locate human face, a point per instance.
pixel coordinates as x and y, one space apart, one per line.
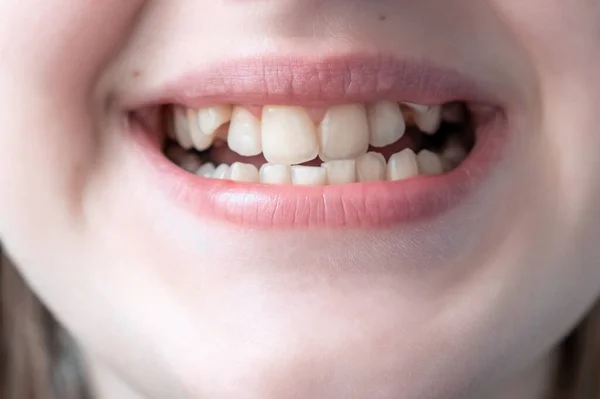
445 285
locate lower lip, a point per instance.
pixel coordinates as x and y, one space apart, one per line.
376 204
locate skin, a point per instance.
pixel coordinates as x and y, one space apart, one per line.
165 304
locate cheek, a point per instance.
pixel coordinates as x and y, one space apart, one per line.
63 44
53 53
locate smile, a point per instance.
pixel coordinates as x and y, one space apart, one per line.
343 142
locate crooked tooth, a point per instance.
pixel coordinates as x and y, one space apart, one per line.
428 118
370 167
340 172
402 165
200 140
343 133
221 172
206 170
244 135
429 163
211 118
275 174
288 135
182 129
244 172
309 175
386 123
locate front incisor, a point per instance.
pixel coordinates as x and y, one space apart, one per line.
288 135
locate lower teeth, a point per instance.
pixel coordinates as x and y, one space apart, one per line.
438 153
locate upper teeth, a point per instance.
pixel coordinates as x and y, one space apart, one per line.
287 135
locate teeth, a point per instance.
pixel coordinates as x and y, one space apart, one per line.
206 170
211 118
182 130
370 167
222 172
244 172
427 118
244 133
386 123
453 154
288 135
309 175
275 174
200 140
403 165
453 113
340 172
429 163
344 133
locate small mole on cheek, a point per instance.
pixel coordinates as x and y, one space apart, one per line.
382 17
137 73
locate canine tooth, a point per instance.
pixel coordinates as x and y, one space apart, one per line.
340 172
244 172
386 123
429 163
427 117
402 165
206 170
182 129
211 118
288 135
221 172
244 133
344 133
200 140
309 175
275 174
370 167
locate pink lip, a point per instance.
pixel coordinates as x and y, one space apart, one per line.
334 80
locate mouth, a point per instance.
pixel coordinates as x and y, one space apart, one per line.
290 143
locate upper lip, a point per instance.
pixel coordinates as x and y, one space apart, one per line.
288 80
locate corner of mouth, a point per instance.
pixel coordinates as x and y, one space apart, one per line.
451 133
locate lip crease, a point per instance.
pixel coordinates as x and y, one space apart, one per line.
323 82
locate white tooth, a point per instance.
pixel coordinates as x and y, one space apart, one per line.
288 135
344 133
371 167
340 172
201 141
244 133
429 163
453 113
182 129
190 163
206 170
244 172
427 117
402 165
275 174
221 172
453 154
386 123
211 118
309 175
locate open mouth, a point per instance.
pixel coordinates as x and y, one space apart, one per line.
342 144
372 162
